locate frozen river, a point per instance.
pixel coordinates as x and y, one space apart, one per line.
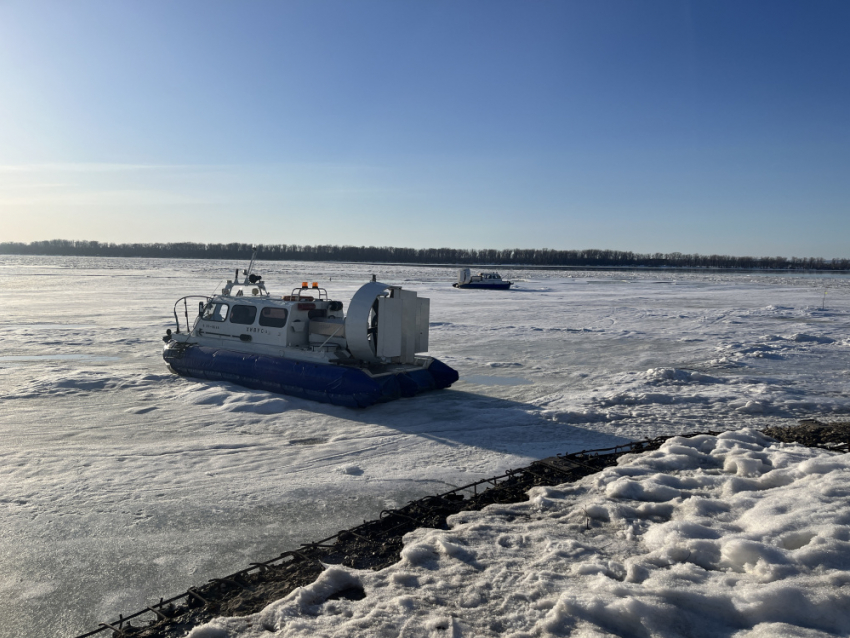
122 483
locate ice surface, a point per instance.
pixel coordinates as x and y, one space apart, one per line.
632 551
122 483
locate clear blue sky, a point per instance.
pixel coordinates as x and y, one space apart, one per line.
708 126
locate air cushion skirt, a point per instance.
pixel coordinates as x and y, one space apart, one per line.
328 383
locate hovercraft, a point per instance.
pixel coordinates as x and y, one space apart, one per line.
304 345
481 281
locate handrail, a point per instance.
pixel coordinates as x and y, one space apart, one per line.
323 294
186 310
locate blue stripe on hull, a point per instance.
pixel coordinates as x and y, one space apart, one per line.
319 382
504 286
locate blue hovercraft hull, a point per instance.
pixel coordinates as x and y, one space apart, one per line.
503 286
327 383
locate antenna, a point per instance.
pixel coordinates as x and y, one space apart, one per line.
251 265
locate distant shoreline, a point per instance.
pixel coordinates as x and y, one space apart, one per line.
531 258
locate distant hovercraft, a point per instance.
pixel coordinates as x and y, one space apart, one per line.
482 281
304 345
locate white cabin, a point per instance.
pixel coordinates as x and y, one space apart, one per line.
384 324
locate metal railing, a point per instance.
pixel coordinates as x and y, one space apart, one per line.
186 310
560 468
563 465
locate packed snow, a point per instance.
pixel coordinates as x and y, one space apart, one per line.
733 535
122 483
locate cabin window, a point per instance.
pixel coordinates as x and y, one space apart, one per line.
215 312
273 317
319 313
243 314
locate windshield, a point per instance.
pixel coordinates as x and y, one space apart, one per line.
215 312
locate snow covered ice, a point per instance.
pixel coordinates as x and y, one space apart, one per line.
122 483
732 535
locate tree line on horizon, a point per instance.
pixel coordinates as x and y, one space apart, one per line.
442 256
